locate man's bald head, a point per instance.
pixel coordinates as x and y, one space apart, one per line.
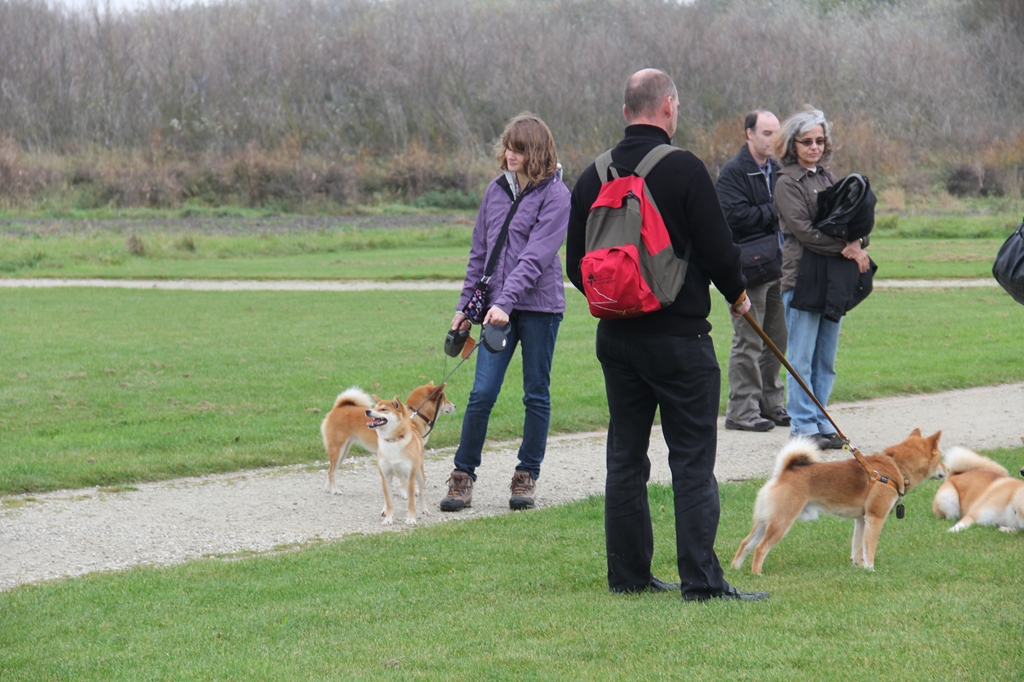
645 92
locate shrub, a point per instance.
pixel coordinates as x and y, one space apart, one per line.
964 180
135 245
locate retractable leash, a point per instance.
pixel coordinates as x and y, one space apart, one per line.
900 486
466 352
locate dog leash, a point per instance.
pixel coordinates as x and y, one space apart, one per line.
466 352
900 486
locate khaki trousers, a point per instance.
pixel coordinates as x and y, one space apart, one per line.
755 382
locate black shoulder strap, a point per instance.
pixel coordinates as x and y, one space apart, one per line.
492 262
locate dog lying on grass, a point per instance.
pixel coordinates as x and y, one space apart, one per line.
979 492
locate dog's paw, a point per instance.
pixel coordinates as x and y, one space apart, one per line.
426 512
410 520
388 520
1009 529
958 527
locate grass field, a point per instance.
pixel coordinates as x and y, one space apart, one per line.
523 596
913 249
111 387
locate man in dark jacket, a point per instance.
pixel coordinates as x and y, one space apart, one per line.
745 187
664 360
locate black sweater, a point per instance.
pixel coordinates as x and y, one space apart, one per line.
686 198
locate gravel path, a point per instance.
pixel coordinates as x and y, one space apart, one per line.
69 533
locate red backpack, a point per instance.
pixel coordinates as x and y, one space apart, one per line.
630 268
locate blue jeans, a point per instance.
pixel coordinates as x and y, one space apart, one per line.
813 344
537 333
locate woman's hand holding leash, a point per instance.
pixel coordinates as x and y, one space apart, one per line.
496 317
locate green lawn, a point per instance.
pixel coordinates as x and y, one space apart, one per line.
116 386
524 597
108 387
402 253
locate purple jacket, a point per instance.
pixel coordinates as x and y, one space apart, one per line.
528 275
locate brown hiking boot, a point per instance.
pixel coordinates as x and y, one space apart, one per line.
460 492
524 488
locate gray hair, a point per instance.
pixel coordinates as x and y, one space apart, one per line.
795 126
645 91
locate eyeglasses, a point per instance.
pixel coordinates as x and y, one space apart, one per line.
807 142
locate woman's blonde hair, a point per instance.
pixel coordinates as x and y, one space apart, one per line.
528 135
795 126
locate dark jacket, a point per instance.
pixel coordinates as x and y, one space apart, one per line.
830 285
746 196
686 198
822 280
847 209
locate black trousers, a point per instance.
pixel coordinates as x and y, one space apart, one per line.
681 377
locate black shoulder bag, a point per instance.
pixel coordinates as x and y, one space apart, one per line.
761 259
1008 268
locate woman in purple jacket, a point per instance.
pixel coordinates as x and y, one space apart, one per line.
526 296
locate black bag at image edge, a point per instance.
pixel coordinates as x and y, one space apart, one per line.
1008 268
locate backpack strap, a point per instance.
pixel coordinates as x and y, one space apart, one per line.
601 164
652 159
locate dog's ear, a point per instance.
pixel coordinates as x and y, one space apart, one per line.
442 385
375 398
397 404
916 432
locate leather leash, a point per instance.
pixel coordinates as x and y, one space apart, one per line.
900 486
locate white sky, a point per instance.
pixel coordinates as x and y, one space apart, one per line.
120 5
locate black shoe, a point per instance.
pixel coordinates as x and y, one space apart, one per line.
729 592
659 586
830 441
654 586
779 416
756 424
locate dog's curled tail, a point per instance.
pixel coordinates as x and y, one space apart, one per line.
799 451
354 396
960 459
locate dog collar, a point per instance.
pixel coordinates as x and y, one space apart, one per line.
392 440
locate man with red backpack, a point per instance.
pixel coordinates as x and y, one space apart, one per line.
664 359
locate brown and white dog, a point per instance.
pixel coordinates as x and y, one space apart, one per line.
803 486
399 454
979 491
345 424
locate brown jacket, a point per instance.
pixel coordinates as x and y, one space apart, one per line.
796 198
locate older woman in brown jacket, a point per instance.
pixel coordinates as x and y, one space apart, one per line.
803 144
